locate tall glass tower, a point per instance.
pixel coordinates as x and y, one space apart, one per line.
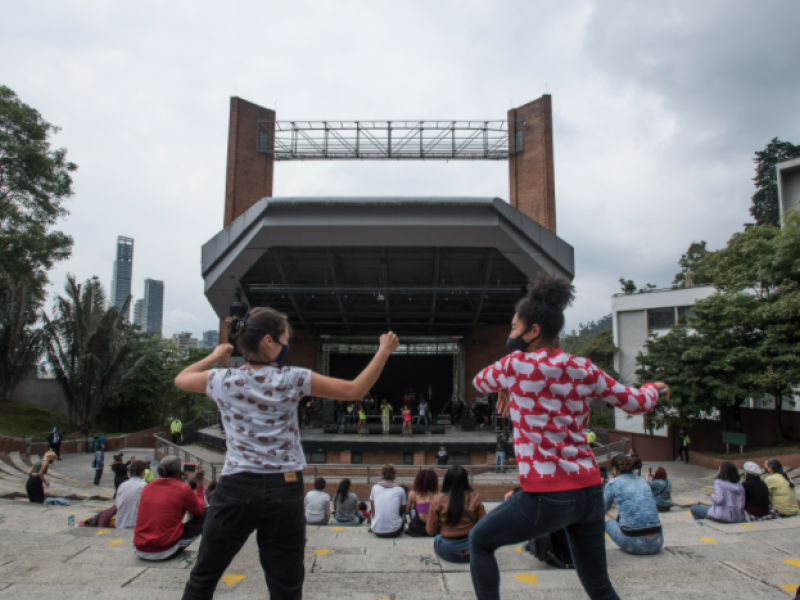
123 271
153 305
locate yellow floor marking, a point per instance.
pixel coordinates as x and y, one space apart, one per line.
321 552
790 587
18 485
746 526
792 561
233 579
68 514
113 543
103 531
608 537
338 528
708 540
518 548
688 512
531 579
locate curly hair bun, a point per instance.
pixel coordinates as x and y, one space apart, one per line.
555 292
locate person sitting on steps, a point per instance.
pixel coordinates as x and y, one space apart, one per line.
727 499
387 500
661 488
345 504
318 504
637 529
129 495
453 514
781 489
756 495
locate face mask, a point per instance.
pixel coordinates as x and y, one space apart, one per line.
516 344
281 358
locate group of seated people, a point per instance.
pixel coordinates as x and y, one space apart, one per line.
447 516
637 528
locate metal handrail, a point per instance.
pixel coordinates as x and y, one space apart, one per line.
168 447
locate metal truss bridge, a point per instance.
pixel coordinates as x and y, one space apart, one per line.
389 140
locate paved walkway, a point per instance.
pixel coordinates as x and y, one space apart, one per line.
41 557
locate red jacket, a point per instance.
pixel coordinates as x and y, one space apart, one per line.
159 522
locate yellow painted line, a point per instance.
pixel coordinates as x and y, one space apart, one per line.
608 537
518 548
529 579
747 526
708 540
790 587
338 528
103 531
68 514
321 552
792 562
113 543
233 579
688 512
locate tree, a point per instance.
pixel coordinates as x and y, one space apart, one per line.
88 346
20 341
694 266
627 285
34 182
765 208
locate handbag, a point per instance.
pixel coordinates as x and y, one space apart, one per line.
94 463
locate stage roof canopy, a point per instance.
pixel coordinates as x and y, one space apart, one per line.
360 266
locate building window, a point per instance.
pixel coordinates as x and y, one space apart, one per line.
408 458
661 318
684 311
355 458
460 459
316 457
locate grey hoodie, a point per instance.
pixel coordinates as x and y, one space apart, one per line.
728 499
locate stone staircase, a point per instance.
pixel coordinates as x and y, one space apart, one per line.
13 477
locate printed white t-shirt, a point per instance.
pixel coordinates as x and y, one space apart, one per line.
387 508
259 409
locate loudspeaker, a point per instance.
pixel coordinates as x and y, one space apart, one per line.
328 411
331 429
468 424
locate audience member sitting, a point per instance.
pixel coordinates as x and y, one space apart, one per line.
129 494
36 480
345 506
727 499
362 510
637 529
661 488
756 495
318 504
160 531
120 470
426 486
453 514
781 489
387 505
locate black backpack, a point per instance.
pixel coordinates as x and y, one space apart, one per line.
552 548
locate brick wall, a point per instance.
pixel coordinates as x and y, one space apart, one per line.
531 173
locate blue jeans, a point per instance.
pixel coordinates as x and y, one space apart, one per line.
354 523
525 516
634 545
500 459
420 419
701 512
449 548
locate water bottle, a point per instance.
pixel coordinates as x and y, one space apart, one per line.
71 520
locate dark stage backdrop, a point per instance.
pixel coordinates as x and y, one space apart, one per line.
402 372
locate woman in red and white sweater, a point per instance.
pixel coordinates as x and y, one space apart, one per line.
547 393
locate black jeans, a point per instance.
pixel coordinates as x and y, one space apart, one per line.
98 474
57 449
525 516
271 506
685 452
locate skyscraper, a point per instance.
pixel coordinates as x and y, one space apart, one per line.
153 305
123 271
210 339
137 313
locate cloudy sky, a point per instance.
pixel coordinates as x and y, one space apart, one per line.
658 109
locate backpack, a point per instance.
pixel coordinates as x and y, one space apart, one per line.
553 548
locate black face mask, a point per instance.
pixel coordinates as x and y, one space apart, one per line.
517 344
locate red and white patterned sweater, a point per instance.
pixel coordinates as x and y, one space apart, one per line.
549 396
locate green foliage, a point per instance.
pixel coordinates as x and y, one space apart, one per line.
627 285
765 207
21 419
694 266
588 342
34 182
746 339
601 418
88 346
20 342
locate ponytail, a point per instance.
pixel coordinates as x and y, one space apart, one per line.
777 468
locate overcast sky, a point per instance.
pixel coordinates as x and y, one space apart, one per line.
658 109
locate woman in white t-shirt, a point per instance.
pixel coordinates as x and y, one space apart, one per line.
262 482
318 504
388 502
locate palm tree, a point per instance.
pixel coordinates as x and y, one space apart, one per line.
87 345
20 343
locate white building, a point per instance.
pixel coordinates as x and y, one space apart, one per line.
635 317
184 340
788 185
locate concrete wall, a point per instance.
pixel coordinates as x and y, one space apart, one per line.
42 392
789 185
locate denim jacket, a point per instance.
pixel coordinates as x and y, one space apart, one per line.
634 500
661 489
